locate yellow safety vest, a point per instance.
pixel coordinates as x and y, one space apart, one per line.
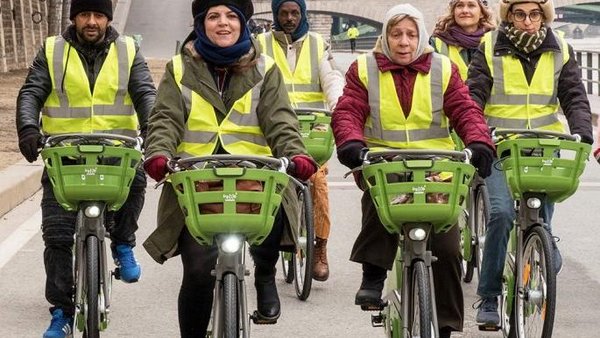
427 125
303 85
72 108
453 52
513 102
353 33
238 133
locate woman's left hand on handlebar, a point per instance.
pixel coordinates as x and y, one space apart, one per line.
305 167
156 167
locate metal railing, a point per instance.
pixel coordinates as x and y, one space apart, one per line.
589 65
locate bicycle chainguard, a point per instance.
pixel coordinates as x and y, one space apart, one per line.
259 319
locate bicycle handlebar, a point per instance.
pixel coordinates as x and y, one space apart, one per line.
500 135
308 111
410 154
97 138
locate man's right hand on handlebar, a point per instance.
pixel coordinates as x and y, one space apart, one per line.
349 154
156 167
30 139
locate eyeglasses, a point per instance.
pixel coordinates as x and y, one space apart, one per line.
534 16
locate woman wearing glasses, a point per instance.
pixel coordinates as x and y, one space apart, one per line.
511 78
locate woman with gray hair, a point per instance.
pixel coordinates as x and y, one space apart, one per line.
427 93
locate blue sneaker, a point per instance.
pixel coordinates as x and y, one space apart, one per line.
129 268
487 314
61 326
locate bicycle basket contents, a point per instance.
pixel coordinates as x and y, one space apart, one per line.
240 185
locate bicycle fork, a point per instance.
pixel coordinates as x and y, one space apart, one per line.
90 222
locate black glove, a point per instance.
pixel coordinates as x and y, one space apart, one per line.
483 157
349 154
587 139
30 139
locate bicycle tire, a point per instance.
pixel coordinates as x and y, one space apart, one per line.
92 287
482 217
467 235
420 292
231 318
303 258
287 266
539 301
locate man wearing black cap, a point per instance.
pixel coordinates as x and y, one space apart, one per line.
87 80
312 82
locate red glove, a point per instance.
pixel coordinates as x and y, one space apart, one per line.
156 167
597 154
305 167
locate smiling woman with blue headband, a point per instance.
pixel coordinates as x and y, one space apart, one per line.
215 75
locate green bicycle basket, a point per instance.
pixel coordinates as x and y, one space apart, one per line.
532 165
317 136
388 181
91 172
204 226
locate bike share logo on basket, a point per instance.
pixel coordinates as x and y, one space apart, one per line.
90 172
419 189
230 197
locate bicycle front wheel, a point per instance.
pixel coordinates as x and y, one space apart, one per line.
231 319
482 216
535 308
421 310
303 259
92 287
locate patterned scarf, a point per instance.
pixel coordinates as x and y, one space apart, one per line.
456 36
525 42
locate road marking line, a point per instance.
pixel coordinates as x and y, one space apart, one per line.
13 243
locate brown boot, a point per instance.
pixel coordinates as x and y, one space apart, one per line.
320 265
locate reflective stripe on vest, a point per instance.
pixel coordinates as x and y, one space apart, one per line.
426 125
514 103
72 108
304 84
453 52
238 133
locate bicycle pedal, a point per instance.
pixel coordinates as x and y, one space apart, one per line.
372 307
486 327
377 320
117 273
258 319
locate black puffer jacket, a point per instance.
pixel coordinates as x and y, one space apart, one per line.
571 92
38 85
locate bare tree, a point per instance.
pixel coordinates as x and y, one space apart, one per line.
66 6
54 16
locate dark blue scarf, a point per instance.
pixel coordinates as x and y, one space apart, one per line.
221 56
302 28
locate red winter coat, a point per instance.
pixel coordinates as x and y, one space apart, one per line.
352 109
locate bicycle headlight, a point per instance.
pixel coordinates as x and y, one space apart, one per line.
417 234
92 211
231 244
534 203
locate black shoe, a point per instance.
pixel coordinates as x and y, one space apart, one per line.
369 294
267 299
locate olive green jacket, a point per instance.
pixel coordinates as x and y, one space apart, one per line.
166 126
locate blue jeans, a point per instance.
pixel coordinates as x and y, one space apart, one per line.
502 216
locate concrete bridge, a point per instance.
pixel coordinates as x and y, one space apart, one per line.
372 12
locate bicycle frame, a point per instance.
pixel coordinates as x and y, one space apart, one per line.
90 174
407 175
242 228
530 157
